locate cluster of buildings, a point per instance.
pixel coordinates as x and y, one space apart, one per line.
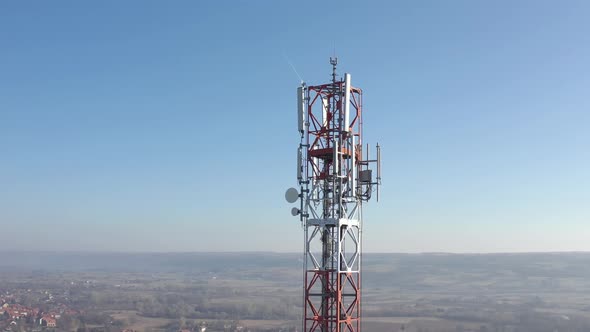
17 311
12 314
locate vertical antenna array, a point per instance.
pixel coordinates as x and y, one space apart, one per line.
335 179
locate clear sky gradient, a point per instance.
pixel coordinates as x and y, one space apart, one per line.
170 125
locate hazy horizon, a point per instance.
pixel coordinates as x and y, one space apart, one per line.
466 253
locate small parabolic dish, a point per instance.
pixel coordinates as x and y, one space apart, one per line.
291 195
294 211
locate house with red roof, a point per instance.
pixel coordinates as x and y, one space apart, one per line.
48 321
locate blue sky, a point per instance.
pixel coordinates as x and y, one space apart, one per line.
170 126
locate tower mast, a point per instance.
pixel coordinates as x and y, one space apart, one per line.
335 180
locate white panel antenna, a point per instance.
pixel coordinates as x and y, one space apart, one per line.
301 107
325 108
346 102
299 164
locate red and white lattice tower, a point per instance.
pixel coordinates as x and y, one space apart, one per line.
335 178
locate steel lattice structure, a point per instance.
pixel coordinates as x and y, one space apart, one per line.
334 181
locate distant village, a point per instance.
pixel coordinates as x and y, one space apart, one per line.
18 317
38 310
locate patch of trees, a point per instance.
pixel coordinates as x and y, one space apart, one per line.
176 306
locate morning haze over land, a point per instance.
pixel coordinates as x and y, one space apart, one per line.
145 148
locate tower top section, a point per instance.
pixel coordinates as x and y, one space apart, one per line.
335 176
334 63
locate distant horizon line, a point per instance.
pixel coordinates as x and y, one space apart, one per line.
286 252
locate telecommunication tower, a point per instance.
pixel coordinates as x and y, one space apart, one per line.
335 178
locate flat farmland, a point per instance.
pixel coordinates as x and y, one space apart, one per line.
262 291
